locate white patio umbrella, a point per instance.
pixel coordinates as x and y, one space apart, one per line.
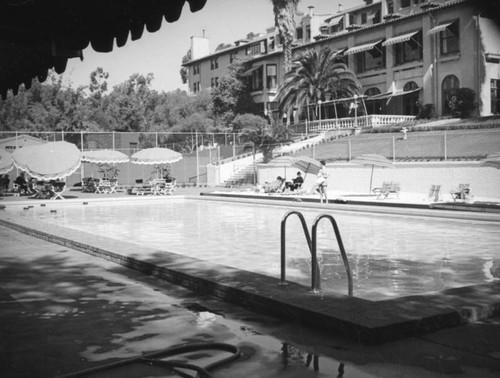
6 164
373 160
104 157
155 156
49 161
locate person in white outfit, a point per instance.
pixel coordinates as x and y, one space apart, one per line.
322 182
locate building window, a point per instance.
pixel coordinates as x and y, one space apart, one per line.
495 96
390 7
300 33
257 48
257 82
232 57
196 69
371 60
376 17
272 43
308 32
405 3
449 39
352 19
196 87
450 82
409 51
271 76
133 147
364 18
214 63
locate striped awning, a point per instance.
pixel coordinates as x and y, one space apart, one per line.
399 39
362 48
439 28
249 72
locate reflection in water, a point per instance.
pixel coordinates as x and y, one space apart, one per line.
390 255
290 353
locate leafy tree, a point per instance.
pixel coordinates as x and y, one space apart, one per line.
232 95
184 71
98 84
316 76
256 130
284 19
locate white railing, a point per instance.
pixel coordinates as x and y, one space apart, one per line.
372 120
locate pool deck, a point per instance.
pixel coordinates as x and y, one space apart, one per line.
362 320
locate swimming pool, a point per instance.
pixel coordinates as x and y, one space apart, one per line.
390 255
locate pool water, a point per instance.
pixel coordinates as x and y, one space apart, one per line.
390 255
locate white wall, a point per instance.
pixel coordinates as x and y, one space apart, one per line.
413 177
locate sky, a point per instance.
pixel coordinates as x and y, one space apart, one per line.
161 53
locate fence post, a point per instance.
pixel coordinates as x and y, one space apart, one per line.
113 139
350 150
393 149
445 147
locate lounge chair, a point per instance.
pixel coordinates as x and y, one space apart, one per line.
461 193
277 186
394 188
435 193
169 187
380 191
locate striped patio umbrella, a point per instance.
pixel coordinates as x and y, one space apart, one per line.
304 163
6 164
49 161
492 160
373 160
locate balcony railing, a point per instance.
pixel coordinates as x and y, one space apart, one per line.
368 121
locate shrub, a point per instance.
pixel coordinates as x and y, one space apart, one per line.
425 111
462 102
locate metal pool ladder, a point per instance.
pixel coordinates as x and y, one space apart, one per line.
312 244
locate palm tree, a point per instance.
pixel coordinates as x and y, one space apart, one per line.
316 76
284 13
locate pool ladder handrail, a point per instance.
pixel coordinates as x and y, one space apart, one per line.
312 244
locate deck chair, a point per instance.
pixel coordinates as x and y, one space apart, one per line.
393 189
380 191
88 185
461 193
169 188
435 193
58 188
103 187
113 185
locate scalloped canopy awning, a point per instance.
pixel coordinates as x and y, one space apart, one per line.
36 35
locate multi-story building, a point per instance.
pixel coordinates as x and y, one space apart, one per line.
404 52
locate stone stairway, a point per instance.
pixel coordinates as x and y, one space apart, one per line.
243 177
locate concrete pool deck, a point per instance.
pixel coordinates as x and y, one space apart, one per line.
366 321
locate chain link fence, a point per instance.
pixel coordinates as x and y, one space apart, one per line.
200 150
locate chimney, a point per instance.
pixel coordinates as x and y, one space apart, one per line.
311 10
341 8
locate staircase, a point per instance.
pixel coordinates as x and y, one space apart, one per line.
243 177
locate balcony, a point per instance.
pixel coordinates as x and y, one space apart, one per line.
364 122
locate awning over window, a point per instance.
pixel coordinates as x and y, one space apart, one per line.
439 28
389 95
399 39
334 21
249 72
361 48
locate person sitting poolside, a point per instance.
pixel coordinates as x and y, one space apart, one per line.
275 186
297 182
